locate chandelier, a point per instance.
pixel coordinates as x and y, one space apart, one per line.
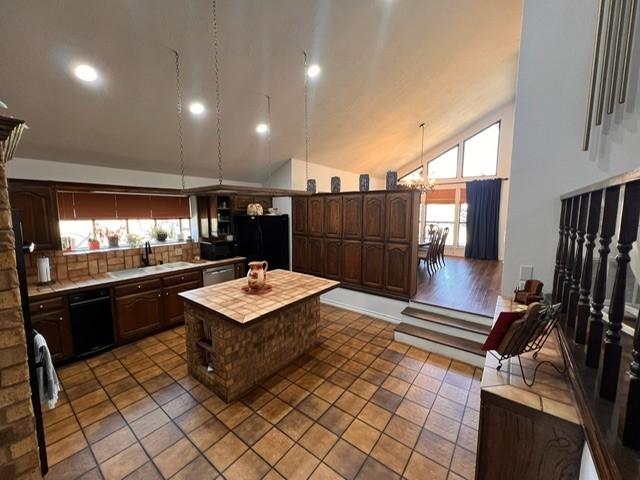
418 181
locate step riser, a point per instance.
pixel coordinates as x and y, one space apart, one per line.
449 330
444 350
470 317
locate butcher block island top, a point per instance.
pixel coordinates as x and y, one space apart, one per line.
237 339
287 288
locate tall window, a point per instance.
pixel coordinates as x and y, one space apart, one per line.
445 165
480 153
441 211
462 225
413 176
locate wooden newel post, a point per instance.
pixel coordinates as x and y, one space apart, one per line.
559 252
577 262
594 342
612 348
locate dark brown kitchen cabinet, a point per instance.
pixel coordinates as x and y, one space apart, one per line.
373 265
138 314
299 220
352 216
300 256
373 217
55 327
173 305
332 258
36 202
399 216
351 261
265 202
333 216
241 202
396 268
315 254
315 216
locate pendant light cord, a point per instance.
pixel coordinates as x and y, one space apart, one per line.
216 67
306 117
179 110
268 136
422 146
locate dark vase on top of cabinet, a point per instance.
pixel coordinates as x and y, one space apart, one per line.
373 265
299 220
333 216
333 257
37 204
352 261
373 213
299 254
315 215
352 216
399 218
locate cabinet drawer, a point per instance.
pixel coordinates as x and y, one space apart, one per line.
46 305
182 278
137 287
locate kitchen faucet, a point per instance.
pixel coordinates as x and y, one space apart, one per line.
147 251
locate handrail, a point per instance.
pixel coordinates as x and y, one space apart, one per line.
608 182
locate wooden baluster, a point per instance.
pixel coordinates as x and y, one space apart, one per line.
559 250
631 431
565 250
575 205
596 326
582 315
612 348
577 262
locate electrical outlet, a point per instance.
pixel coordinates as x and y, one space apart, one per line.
178 251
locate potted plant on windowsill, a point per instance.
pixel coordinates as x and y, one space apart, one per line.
94 243
159 233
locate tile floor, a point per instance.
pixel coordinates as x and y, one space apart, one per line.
358 406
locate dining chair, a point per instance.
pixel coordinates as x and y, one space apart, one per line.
443 242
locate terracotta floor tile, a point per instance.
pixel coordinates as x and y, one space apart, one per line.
225 451
329 391
294 424
342 379
353 367
208 433
147 471
79 390
276 384
73 466
402 430
391 453
297 464
350 403
149 422
374 415
100 429
168 393
115 388
345 459
464 463
273 475
420 468
51 417
156 383
117 374
125 462
138 409
396 385
234 414
293 394
323 472
200 468
363 388
318 440
192 419
161 439
420 396
386 399
214 404
179 405
273 446
248 467
95 413
129 397
313 406
448 408
361 435
257 398
428 383
66 447
372 469
252 429
413 412
335 420
454 393
471 418
174 458
274 410
468 438
435 447
310 381
443 426
113 444
61 429
89 400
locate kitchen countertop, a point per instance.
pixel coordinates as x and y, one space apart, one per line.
229 300
124 276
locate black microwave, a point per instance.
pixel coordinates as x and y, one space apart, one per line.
216 250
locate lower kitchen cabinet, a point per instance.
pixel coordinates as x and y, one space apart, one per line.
138 314
55 327
373 265
351 261
300 257
315 254
173 305
333 255
397 268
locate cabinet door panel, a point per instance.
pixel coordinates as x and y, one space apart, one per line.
373 217
351 261
315 255
396 272
333 254
333 216
299 254
241 202
315 215
138 314
352 216
399 206
265 202
173 305
55 328
38 213
373 265
299 216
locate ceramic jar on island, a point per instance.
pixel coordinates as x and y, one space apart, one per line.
257 275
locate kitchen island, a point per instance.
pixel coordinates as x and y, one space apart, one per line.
237 339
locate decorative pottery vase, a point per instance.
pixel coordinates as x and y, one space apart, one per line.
311 185
392 180
257 275
254 209
335 184
364 182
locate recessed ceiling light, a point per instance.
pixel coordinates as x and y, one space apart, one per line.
262 128
86 73
196 108
313 70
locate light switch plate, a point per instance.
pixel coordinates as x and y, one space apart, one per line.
178 251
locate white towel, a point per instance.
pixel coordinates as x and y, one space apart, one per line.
45 373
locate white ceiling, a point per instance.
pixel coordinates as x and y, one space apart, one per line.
386 66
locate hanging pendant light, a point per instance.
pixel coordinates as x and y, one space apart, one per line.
423 183
311 183
179 112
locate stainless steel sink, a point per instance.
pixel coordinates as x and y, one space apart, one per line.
136 272
132 272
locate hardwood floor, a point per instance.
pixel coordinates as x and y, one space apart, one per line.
462 284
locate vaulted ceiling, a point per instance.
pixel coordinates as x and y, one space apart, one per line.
386 66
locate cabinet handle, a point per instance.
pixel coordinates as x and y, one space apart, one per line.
166 293
159 295
139 286
41 306
60 319
181 278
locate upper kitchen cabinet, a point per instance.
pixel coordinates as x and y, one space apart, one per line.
352 216
265 202
240 203
333 216
315 215
399 216
373 217
299 220
36 202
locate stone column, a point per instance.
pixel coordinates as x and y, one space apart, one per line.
18 444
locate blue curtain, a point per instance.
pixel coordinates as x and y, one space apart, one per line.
483 219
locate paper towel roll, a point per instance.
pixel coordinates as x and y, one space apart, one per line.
44 272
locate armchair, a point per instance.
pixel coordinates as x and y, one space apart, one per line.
532 292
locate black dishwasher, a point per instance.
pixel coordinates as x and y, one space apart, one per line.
91 323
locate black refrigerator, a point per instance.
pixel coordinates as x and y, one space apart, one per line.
21 247
263 237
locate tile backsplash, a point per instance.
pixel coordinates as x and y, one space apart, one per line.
72 266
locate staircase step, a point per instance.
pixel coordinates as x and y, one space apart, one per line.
447 321
441 338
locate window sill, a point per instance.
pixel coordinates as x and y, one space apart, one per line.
85 251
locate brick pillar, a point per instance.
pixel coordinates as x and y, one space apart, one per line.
18 444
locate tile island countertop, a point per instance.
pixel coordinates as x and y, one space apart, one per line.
127 275
228 298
